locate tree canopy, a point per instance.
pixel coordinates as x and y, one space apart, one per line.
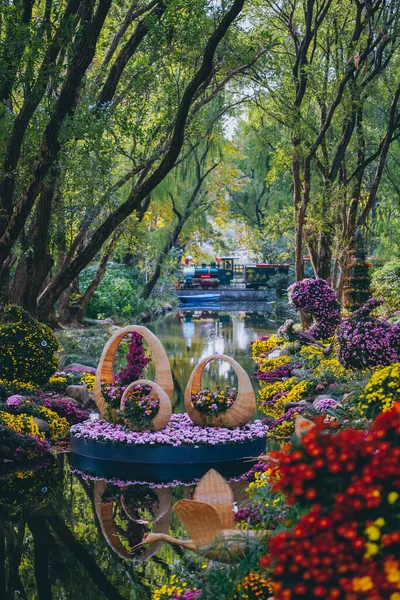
129 128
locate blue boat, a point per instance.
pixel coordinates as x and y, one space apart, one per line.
209 298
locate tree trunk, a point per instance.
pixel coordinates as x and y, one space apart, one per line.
40 261
5 278
299 217
335 273
41 549
3 558
324 256
94 284
18 281
148 288
67 311
342 277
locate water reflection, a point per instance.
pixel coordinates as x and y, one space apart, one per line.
190 335
66 537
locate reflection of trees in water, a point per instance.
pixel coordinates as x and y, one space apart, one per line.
60 550
55 551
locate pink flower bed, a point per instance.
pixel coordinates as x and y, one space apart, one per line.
180 431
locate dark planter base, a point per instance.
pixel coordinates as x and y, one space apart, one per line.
162 463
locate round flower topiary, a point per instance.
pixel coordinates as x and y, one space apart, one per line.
381 391
316 298
27 347
366 341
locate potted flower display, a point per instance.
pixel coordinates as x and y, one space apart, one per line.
210 402
140 407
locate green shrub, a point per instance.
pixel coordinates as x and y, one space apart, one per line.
27 348
386 283
117 293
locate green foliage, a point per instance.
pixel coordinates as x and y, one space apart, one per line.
27 348
218 580
17 446
386 283
28 489
117 294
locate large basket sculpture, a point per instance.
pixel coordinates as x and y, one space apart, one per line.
105 367
240 413
165 407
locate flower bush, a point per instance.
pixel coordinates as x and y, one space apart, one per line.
282 428
366 341
59 426
346 546
381 391
16 446
271 364
330 370
325 404
140 408
212 402
112 394
280 372
136 361
180 431
254 586
21 423
67 410
25 489
8 388
269 391
175 590
57 383
88 379
316 298
264 345
27 348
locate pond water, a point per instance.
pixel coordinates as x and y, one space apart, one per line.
66 536
188 336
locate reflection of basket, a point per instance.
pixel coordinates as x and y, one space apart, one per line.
105 367
239 413
165 408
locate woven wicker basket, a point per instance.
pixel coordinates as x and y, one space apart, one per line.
165 408
105 367
239 413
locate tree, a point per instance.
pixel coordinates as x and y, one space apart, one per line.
318 82
77 94
193 201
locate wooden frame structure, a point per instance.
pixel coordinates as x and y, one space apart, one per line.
240 413
165 407
105 367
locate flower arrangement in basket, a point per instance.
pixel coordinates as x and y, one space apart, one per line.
143 407
140 406
112 393
230 407
212 402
